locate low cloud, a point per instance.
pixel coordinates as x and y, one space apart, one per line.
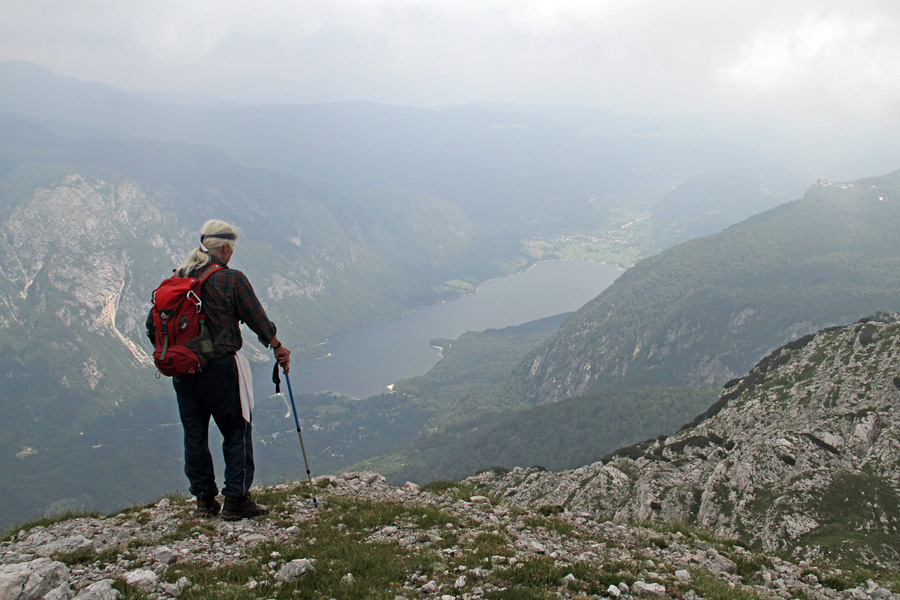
647 56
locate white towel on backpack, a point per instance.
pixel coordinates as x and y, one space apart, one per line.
245 384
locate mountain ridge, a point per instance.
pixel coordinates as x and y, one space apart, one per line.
800 454
544 170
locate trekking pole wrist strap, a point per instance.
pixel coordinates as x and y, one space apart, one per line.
276 379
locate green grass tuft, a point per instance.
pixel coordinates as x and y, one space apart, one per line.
555 524
517 594
541 573
48 520
712 588
128 592
451 489
486 545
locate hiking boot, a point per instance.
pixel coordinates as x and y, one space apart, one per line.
242 507
207 506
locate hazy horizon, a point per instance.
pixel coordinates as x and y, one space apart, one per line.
792 78
648 57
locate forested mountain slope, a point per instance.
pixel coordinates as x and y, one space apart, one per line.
707 309
560 435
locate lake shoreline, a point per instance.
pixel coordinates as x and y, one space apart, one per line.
362 362
477 286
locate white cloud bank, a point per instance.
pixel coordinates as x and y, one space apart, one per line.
827 59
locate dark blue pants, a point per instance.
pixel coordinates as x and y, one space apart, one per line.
214 393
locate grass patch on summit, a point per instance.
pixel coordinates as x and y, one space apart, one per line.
47 521
338 544
711 588
539 574
864 515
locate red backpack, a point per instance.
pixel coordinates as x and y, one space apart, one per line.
182 344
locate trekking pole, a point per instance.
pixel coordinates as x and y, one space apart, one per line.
276 380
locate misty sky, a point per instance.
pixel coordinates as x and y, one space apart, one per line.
824 59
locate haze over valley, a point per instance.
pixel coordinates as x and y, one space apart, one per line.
563 253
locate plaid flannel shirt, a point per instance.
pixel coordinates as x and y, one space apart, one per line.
229 300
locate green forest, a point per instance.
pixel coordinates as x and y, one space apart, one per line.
562 435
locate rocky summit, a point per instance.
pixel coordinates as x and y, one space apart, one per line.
800 455
367 539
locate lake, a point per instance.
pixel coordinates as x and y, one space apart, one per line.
363 362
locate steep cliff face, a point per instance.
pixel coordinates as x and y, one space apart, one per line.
803 452
74 262
71 249
707 310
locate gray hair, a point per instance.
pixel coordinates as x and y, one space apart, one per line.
214 235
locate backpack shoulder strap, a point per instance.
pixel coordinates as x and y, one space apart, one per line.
208 271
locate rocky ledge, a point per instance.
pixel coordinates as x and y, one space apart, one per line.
366 539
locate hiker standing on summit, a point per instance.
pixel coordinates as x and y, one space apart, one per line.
222 389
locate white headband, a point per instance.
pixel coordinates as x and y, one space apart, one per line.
224 236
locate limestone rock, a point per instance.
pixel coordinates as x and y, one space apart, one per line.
143 579
648 590
295 569
101 590
32 580
73 543
165 555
